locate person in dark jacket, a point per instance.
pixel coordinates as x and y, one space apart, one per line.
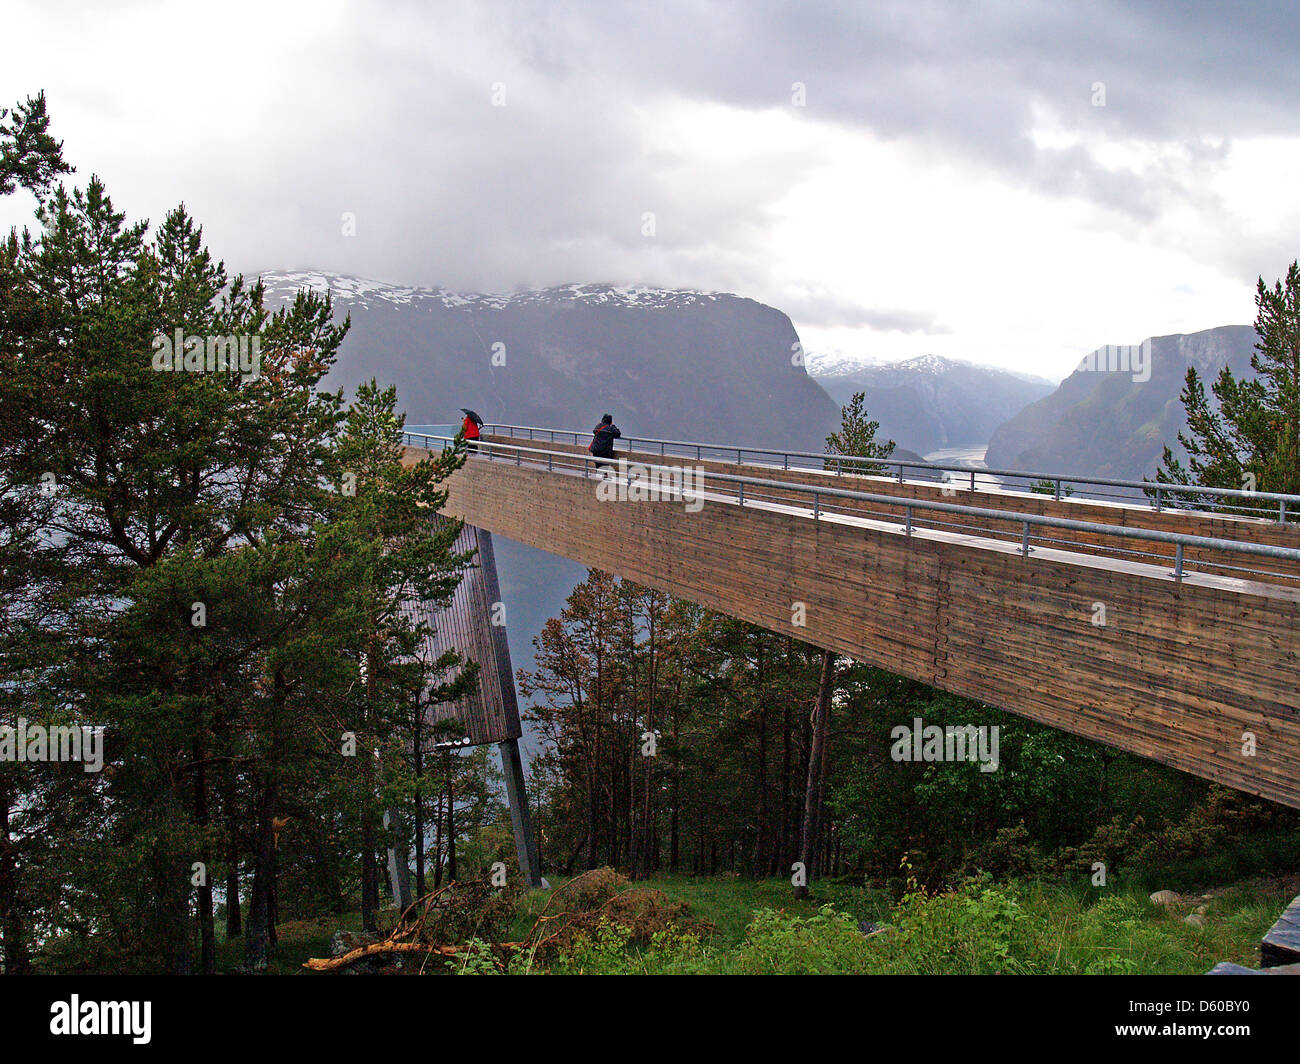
602 441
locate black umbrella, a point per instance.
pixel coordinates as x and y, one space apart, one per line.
472 416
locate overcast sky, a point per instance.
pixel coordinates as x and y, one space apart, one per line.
1013 183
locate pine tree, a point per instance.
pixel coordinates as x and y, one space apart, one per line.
857 437
401 553
1252 440
29 157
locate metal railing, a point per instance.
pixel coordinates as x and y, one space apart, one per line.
1150 495
818 495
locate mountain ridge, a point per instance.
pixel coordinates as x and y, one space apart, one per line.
1104 422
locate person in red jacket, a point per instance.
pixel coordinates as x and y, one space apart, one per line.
470 427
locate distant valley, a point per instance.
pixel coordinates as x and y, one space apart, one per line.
932 403
1107 423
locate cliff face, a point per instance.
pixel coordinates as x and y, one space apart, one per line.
1108 421
673 364
667 364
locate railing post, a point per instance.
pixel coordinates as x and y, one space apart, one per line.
1178 563
900 473
1024 540
1281 511
697 452
742 493
740 458
1058 489
907 519
1157 499
817 506
785 464
972 480
550 461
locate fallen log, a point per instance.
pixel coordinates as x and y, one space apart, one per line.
329 964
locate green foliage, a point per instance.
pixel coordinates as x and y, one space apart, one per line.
975 928
476 959
1250 437
29 156
209 563
857 437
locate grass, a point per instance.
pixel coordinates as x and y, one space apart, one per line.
1016 927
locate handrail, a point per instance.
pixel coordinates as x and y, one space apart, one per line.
1284 501
1180 540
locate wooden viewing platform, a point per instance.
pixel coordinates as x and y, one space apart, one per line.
1185 653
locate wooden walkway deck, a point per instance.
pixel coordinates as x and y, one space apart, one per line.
1088 632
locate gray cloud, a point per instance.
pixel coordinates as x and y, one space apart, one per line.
387 114
827 310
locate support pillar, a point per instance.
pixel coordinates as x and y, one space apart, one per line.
511 762
525 840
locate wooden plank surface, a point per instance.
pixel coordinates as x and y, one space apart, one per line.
488 713
1282 943
1221 526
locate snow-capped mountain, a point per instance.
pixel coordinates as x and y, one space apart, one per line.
836 363
282 285
666 363
932 402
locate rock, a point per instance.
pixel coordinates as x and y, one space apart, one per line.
1201 910
870 929
346 941
546 883
1165 897
1195 919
